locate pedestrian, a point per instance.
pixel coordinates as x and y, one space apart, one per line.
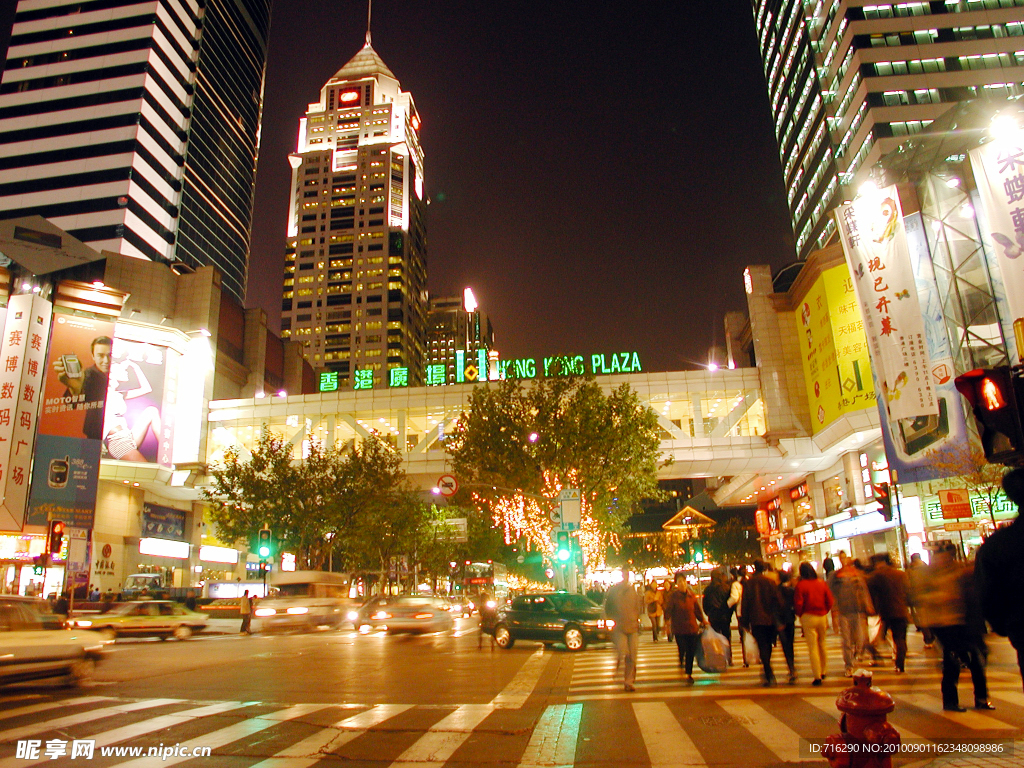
623 606
62 604
813 602
915 583
107 601
653 603
944 601
999 569
853 603
760 614
190 600
888 587
683 610
736 601
667 588
94 593
830 582
245 609
716 606
787 622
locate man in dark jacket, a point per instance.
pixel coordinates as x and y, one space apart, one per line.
762 607
888 588
999 569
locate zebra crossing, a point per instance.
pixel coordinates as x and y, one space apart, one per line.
737 729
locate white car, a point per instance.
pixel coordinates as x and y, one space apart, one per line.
29 650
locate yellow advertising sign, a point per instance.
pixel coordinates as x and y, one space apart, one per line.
834 349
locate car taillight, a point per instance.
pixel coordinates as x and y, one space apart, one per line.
265 612
423 616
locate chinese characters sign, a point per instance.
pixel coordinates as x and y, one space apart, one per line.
875 243
999 172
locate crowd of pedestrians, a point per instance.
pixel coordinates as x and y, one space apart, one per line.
949 601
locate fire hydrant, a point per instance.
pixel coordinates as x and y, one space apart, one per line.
865 739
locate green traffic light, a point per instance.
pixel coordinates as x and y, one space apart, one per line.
563 554
264 551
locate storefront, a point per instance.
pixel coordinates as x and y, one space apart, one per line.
20 575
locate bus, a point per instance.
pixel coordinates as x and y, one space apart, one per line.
488 577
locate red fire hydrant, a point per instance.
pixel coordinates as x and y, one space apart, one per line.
865 739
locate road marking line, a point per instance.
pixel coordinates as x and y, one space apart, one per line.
33 708
778 737
971 719
827 704
319 745
1010 697
553 742
83 717
515 694
139 729
668 744
231 733
438 744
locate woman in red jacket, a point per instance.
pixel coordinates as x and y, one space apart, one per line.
813 602
687 620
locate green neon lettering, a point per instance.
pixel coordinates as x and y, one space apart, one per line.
636 363
596 363
531 368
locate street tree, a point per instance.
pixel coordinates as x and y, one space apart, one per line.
519 443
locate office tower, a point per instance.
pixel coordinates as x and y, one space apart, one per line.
458 331
848 82
134 125
355 259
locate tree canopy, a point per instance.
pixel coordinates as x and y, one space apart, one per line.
520 443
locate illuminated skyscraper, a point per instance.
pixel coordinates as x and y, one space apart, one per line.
355 261
134 125
849 81
458 331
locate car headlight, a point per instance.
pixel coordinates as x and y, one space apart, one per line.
298 609
352 615
608 623
491 604
82 623
265 612
471 606
381 615
423 616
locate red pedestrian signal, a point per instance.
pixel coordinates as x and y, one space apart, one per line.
994 395
55 538
882 497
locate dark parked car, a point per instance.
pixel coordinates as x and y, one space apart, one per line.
552 617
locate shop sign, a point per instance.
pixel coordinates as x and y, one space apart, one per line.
799 492
24 548
963 525
775 504
817 536
287 561
771 548
1001 506
761 522
955 504
855 526
164 522
213 554
164 548
791 542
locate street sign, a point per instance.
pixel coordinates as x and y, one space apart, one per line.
555 515
964 525
521 559
955 503
569 501
448 485
457 527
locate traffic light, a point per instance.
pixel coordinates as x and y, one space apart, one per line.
883 498
698 552
263 546
994 394
55 537
563 549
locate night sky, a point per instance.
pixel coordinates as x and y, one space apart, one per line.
598 173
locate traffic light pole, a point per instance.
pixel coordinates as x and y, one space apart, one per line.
900 538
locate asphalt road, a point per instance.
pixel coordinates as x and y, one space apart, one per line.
341 699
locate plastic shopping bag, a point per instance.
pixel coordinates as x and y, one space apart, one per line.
712 651
750 649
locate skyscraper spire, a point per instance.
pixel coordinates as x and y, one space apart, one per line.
369 13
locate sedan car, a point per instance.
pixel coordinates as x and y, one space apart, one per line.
406 613
145 618
31 650
552 617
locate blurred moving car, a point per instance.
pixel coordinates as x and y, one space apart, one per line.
552 617
461 606
405 613
305 601
145 618
30 649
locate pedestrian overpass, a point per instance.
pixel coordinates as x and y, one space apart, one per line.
714 424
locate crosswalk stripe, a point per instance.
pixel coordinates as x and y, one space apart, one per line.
31 709
668 744
229 734
1010 697
778 737
14 734
827 704
434 747
553 741
515 694
315 747
971 719
139 729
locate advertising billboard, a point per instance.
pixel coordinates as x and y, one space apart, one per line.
834 349
67 461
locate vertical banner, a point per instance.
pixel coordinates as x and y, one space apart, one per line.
875 243
66 471
22 359
999 173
